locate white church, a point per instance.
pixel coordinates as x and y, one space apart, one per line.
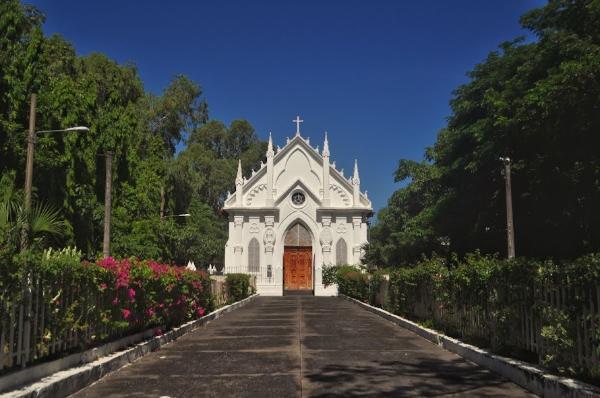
294 215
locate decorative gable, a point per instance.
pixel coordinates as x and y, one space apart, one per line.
297 163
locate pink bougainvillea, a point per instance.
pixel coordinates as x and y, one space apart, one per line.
144 293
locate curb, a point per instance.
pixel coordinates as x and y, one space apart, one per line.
69 381
528 376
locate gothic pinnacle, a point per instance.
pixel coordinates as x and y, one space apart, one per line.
356 178
326 146
270 146
239 180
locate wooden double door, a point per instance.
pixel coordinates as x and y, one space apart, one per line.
297 268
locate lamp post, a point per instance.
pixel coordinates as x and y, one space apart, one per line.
29 165
178 215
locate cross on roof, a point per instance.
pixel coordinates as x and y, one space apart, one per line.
297 121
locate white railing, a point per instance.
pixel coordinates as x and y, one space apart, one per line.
265 276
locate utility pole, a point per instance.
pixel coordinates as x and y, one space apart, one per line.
162 201
29 172
510 228
107 204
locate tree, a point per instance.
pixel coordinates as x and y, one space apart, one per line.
143 130
536 103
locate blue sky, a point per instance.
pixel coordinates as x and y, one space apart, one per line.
376 75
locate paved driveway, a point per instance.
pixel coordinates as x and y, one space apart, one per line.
301 347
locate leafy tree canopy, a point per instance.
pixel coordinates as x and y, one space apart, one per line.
537 103
143 131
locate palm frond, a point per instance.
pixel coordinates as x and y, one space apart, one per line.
44 219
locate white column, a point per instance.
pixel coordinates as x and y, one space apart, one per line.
269 241
357 241
270 155
325 186
238 248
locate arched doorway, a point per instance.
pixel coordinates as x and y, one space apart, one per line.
297 260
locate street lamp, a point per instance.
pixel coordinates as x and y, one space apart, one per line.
29 165
178 215
76 128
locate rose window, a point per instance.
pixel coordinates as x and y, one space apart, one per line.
298 198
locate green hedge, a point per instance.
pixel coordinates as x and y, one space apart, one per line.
351 280
238 286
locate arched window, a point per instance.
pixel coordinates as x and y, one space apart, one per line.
341 252
254 256
298 235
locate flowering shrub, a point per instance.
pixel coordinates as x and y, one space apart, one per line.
146 293
85 303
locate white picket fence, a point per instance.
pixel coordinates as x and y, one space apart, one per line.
265 276
580 308
31 321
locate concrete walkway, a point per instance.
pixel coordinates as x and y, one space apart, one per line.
301 347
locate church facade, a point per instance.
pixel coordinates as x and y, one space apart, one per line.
294 215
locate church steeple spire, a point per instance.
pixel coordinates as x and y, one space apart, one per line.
270 155
239 182
356 185
326 146
270 145
239 178
355 177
